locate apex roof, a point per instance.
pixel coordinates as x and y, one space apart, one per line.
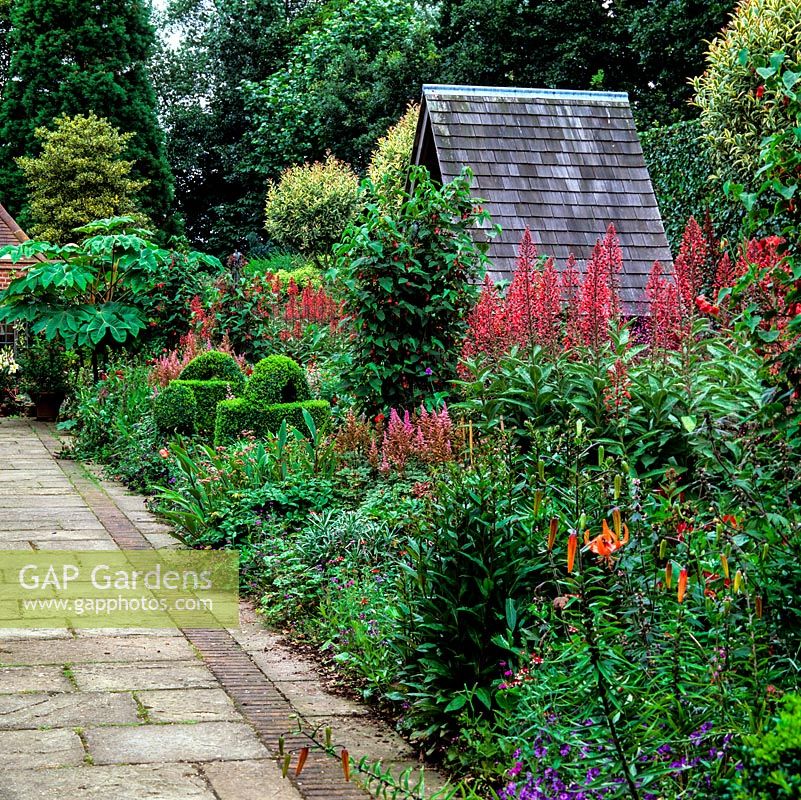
563 163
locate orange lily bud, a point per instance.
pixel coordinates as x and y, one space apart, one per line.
572 545
738 582
668 575
616 521
345 764
758 605
682 590
554 526
663 549
304 754
724 562
280 745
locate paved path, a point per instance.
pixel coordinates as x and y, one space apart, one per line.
135 714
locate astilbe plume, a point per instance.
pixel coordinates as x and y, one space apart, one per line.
689 266
598 301
487 334
399 442
522 298
434 435
664 323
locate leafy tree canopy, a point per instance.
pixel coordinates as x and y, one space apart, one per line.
76 57
78 177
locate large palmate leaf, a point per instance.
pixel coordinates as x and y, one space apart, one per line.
111 320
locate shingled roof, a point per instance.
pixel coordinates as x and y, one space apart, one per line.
563 163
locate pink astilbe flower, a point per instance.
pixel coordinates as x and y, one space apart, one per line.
665 314
487 334
399 442
596 304
549 308
434 432
522 310
689 265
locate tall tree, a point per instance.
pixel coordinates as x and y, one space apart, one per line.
76 57
344 83
209 48
5 29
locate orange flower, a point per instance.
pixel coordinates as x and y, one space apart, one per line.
572 545
724 562
302 756
606 543
552 533
682 584
345 764
616 521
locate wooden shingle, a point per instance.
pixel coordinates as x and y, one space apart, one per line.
563 163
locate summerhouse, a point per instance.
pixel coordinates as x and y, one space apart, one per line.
563 163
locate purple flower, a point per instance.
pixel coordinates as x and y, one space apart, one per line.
429 371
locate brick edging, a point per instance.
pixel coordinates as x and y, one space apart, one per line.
267 711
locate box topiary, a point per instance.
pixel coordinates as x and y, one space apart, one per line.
175 409
277 379
236 416
277 391
206 395
215 366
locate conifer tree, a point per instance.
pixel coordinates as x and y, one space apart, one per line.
79 57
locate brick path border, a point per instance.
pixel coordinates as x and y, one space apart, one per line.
256 697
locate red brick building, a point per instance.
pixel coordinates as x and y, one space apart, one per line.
10 233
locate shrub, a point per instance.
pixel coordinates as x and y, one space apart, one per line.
734 115
175 409
409 277
277 379
236 416
680 166
215 366
392 157
773 767
311 205
206 395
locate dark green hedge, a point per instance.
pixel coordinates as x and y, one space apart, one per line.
175 409
207 394
236 416
215 366
680 171
277 379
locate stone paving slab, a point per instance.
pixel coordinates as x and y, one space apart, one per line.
101 649
205 741
33 679
35 749
249 780
74 710
149 782
145 676
188 705
311 700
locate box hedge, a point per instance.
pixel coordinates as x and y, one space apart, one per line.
236 416
215 366
175 409
277 379
206 395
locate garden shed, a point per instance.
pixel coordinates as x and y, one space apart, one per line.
563 163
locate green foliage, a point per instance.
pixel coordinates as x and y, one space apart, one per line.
5 30
409 271
79 176
175 409
680 169
81 57
207 395
90 295
45 367
472 569
346 80
214 365
277 379
772 765
734 116
392 156
237 416
311 205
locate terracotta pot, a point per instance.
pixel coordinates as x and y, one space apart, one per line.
48 404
